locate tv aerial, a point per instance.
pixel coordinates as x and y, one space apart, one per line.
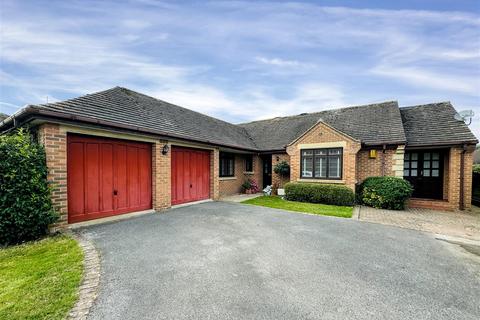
465 116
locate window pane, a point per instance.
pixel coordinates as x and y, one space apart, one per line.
307 152
249 164
414 164
406 164
413 173
435 173
406 156
321 152
320 167
334 167
435 164
405 173
414 156
334 151
426 164
426 156
426 173
307 166
435 156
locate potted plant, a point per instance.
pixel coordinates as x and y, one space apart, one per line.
247 186
282 168
250 186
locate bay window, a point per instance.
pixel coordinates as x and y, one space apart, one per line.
321 163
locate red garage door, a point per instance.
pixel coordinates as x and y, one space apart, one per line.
107 177
190 175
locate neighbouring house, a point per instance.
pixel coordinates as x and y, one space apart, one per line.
119 151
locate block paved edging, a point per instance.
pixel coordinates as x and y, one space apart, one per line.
87 292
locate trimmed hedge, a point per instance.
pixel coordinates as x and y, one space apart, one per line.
25 205
319 193
385 192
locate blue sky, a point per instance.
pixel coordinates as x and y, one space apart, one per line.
242 61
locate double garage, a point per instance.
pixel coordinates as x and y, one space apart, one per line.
107 177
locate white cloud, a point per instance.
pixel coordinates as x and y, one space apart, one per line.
279 62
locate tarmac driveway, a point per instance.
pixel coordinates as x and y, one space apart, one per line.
231 261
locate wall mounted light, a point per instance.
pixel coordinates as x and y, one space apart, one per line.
165 149
372 154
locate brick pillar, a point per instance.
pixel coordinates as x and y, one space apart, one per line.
161 176
54 139
214 174
278 180
398 158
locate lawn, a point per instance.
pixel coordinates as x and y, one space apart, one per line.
315 208
39 280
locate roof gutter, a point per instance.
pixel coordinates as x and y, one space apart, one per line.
14 122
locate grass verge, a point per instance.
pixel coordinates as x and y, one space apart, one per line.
39 280
315 208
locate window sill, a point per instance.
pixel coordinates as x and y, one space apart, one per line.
322 181
226 178
248 172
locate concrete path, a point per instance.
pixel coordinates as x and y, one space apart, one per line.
240 197
463 224
222 260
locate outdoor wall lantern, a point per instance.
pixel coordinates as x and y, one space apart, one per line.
372 154
165 149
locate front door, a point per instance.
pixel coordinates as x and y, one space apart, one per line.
267 170
424 170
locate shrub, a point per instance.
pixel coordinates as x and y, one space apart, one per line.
385 192
319 193
282 168
25 204
476 168
250 184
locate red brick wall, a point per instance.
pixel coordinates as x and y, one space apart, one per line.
382 165
233 185
277 180
322 133
55 142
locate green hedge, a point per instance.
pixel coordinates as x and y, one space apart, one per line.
385 192
25 205
319 193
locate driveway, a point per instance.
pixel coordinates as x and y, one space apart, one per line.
231 261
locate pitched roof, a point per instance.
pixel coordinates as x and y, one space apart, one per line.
434 124
124 106
373 124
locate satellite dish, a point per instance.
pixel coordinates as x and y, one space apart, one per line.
465 116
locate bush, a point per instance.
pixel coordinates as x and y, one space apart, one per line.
282 169
385 192
476 168
319 193
25 205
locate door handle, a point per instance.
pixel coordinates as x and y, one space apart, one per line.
115 192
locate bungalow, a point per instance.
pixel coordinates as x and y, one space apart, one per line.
119 151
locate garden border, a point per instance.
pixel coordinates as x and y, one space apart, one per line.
88 290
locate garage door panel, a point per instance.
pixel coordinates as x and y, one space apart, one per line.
76 193
92 178
144 159
120 168
190 175
106 180
107 177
